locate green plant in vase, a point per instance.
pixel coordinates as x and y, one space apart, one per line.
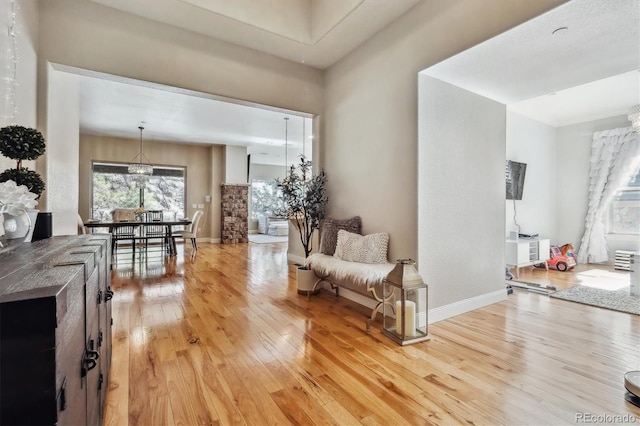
305 204
22 143
305 200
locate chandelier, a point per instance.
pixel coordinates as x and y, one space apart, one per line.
143 167
634 117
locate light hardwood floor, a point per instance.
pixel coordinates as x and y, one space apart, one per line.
224 338
562 280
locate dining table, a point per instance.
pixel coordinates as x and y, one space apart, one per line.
168 224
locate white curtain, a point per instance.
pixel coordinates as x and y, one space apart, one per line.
615 156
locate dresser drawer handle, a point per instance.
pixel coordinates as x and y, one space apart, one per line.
88 364
92 355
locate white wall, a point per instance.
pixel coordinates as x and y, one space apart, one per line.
90 36
369 135
461 194
26 72
574 154
266 171
533 143
63 151
235 164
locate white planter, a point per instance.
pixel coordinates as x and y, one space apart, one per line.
14 230
33 215
16 227
306 279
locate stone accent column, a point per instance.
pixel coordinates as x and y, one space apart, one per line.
235 213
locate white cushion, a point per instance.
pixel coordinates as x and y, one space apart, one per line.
278 228
342 271
370 248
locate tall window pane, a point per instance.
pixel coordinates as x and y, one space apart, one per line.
266 198
625 209
113 187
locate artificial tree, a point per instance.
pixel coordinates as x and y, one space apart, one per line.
305 200
22 143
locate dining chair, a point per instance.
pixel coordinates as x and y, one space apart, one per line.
123 214
81 229
154 232
123 233
192 231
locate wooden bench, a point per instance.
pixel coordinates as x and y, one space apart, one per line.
363 278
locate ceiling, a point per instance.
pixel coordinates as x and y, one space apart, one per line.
575 63
116 107
581 73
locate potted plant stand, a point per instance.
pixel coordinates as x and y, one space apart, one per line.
306 279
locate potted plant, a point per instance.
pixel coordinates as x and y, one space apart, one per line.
23 143
305 204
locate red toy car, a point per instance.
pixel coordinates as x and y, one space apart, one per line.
560 261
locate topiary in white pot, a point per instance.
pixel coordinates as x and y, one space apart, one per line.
22 143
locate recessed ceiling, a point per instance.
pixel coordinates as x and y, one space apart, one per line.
315 32
601 40
303 21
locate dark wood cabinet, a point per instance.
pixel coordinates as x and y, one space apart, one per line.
55 331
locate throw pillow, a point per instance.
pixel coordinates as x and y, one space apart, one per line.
329 232
370 248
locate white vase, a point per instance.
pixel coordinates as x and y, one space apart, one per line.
306 279
33 215
16 227
15 230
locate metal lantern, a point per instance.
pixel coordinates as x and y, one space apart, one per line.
405 321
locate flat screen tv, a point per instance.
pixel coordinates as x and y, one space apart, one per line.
515 179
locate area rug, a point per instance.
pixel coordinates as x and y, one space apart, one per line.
604 279
617 300
267 239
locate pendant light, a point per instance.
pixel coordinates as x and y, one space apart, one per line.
143 167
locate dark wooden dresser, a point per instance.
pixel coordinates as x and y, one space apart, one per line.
55 331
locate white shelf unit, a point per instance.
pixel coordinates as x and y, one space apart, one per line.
634 276
526 252
622 260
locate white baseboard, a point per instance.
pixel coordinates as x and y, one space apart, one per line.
253 231
294 258
467 305
436 314
357 297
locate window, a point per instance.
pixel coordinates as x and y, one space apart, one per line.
266 198
624 214
113 187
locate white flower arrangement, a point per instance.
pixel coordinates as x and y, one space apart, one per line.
14 200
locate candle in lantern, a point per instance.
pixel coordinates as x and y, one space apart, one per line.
410 313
